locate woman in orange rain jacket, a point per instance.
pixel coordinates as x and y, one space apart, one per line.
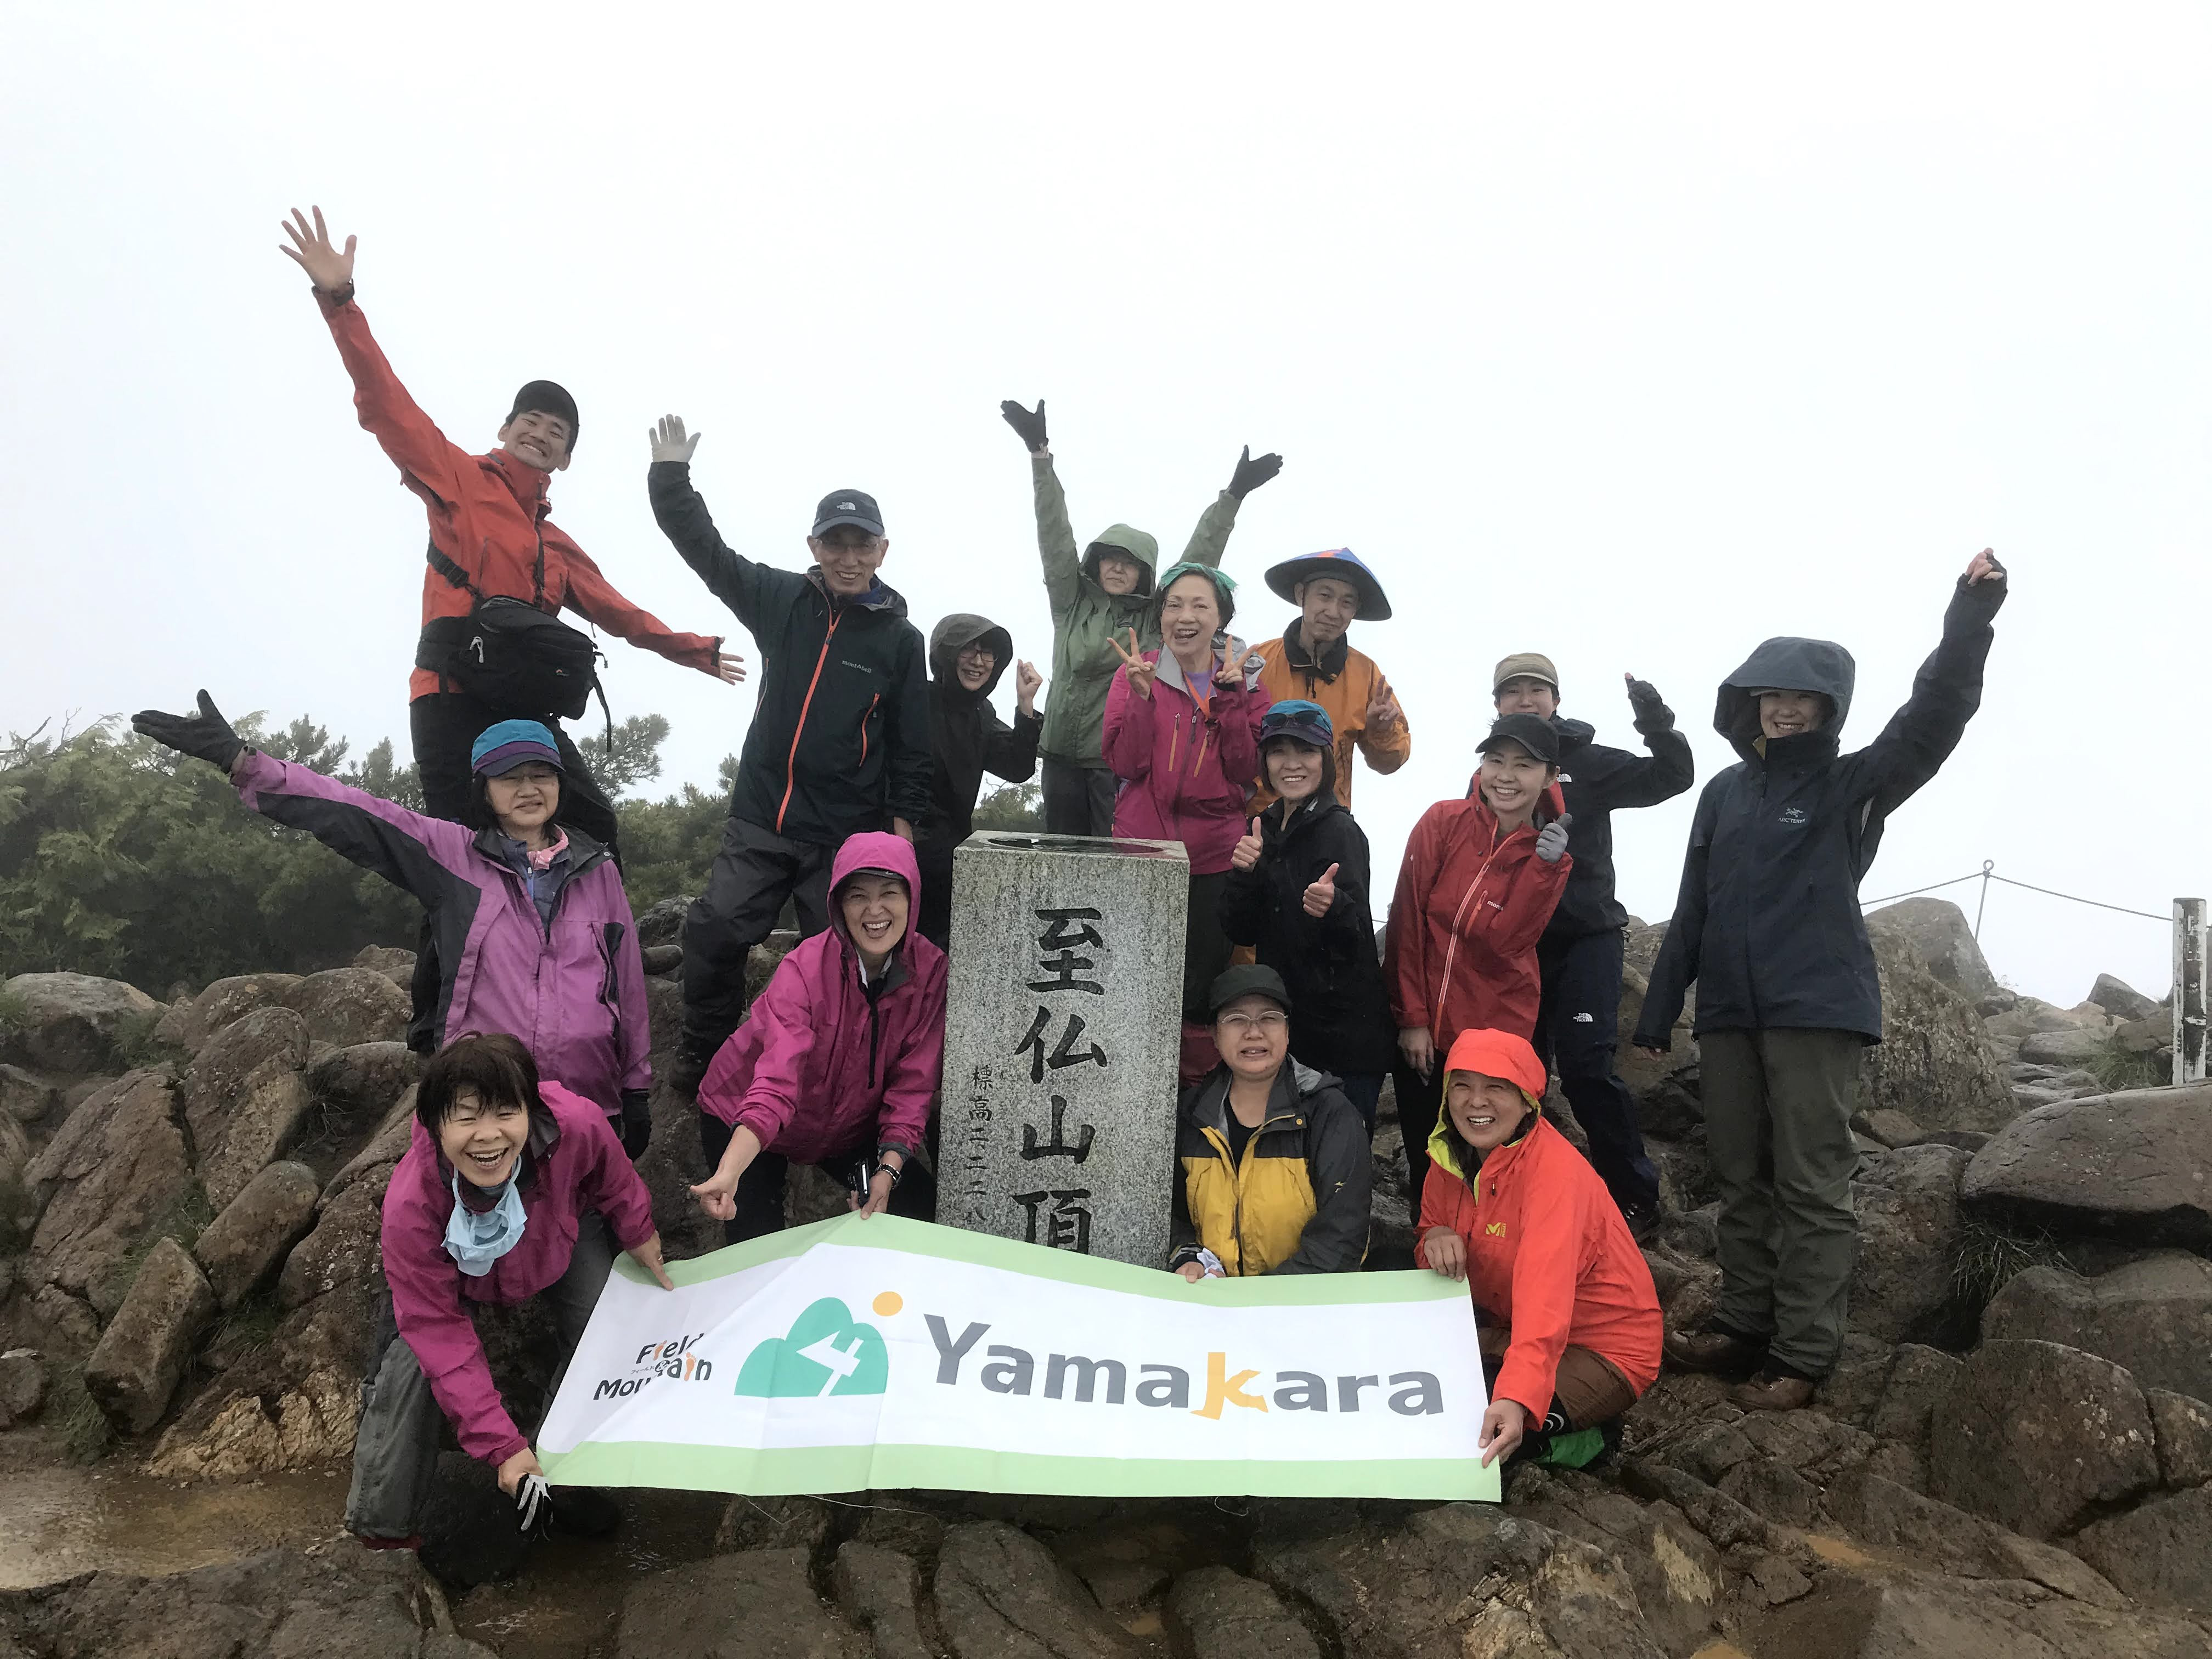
1478 882
1568 1316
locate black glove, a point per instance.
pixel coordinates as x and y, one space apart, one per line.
1648 709
1030 424
636 1123
533 1505
206 736
1250 474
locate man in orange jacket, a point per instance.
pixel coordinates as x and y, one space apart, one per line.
1314 661
1569 1318
489 540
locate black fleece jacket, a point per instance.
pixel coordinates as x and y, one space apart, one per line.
840 736
1767 924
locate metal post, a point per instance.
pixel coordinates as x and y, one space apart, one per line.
2188 990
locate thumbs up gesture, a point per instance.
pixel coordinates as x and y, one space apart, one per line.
1322 893
1248 850
1551 839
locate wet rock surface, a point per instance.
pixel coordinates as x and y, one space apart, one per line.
2153 1317
2132 1165
73 1021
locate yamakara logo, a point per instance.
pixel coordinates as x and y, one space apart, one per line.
826 1353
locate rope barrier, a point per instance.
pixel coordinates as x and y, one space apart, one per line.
1988 873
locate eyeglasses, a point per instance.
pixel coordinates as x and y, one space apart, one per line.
537 775
1270 1020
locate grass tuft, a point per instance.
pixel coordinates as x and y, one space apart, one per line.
87 1435
2116 1069
1989 1257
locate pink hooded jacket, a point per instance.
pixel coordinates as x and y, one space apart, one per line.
584 1167
1185 770
819 1067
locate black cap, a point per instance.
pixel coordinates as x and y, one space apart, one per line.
1244 980
852 506
547 398
1532 731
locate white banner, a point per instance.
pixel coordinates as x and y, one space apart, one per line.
855 1355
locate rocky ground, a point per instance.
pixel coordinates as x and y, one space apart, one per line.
2014 1460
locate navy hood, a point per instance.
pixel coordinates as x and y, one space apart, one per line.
1788 664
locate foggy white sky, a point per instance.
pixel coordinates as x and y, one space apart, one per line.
1629 337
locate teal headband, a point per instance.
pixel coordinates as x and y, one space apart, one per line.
1174 573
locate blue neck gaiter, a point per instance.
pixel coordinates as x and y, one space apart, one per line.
476 1240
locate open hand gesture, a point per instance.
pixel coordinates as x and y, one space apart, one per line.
669 440
1141 673
1027 684
1249 849
1251 474
1383 711
1322 894
1984 568
1030 422
729 666
311 250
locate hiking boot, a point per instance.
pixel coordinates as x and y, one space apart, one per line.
687 1067
1713 1351
1773 1391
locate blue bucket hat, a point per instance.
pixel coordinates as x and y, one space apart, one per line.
499 749
1340 562
1294 717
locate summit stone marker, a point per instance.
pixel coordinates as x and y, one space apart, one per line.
1063 1028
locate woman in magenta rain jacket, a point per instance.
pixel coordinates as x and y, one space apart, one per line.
548 955
839 1057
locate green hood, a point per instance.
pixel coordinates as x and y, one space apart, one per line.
1125 538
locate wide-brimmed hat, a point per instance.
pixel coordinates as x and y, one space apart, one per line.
1340 562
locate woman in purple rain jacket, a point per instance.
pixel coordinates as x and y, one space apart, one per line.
533 930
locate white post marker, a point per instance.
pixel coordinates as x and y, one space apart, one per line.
2188 990
887 1354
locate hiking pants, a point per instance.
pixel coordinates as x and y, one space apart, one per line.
1778 1132
444 726
753 873
1079 801
760 1188
1576 1030
395 1448
1419 1099
1587 1388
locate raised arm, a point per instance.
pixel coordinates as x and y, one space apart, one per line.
1010 751
397 423
1063 562
1212 536
1663 774
748 588
591 596
1386 738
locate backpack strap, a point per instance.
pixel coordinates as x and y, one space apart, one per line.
452 572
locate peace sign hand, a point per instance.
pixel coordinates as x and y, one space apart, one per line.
1249 849
1232 673
1140 671
1322 893
1382 706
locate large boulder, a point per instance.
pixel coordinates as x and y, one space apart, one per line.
1215 1614
192 1021
266 1119
243 1244
1890 1615
356 1086
396 964
1934 1062
2122 1001
1908 1209
281 1604
25 1096
2040 1438
73 1021
1937 931
2159 1552
346 1006
2074 1045
22 1386
999 1592
116 1168
2152 1317
879 1590
2136 1165
1407 1592
265 1040
758 1604
141 1353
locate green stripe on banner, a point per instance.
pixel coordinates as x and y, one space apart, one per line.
898 1235
797 1469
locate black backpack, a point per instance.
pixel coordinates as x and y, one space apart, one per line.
511 654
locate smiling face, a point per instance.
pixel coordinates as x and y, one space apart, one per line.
484 1142
537 439
1524 694
1293 767
1789 714
875 911
1252 1034
972 666
848 557
1487 1111
1118 574
524 800
1190 615
1326 608
1514 781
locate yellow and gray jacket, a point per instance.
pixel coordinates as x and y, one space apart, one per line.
1298 1201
